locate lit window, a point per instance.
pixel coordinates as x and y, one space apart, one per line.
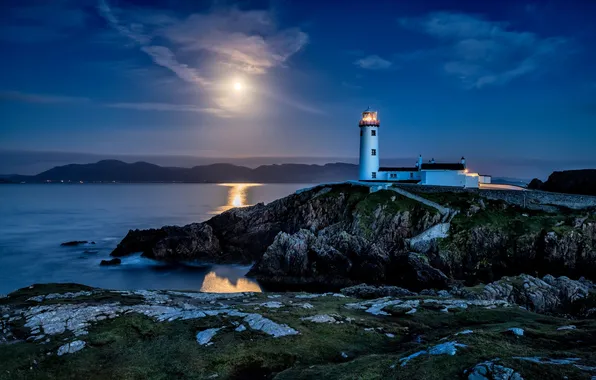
373 152
373 132
374 174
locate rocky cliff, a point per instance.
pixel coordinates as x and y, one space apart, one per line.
337 235
568 181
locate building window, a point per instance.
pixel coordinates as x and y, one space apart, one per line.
373 152
393 175
411 175
373 132
374 175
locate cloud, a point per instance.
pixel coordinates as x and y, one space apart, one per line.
165 107
39 98
481 52
246 40
161 55
373 62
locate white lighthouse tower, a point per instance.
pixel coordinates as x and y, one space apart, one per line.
369 146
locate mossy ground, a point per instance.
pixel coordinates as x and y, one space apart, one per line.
134 346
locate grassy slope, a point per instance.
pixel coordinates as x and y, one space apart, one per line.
136 347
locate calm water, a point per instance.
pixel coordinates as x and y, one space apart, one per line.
35 219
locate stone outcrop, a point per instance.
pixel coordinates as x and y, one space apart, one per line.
545 295
345 234
488 251
490 370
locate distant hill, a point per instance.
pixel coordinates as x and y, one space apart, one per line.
568 181
118 171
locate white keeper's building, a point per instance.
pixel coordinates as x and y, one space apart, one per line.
431 173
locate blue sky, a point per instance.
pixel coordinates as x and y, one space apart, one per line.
509 84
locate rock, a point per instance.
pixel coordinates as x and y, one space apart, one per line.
491 371
114 261
415 272
71 347
320 318
272 304
447 348
75 243
56 296
535 184
240 328
516 331
548 295
568 327
258 322
369 291
343 234
464 332
205 336
569 181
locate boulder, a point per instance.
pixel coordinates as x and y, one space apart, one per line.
75 243
111 262
490 370
540 295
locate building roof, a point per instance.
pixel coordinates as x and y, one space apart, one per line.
390 169
441 166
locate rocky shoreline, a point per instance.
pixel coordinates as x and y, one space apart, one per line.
516 328
345 234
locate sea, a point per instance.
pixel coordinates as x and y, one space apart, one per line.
36 218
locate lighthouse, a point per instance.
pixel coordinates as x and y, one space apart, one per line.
369 146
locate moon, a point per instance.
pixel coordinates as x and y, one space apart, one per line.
238 86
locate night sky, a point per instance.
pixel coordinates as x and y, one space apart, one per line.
510 85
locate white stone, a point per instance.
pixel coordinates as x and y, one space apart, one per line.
205 336
71 347
464 332
240 328
490 371
307 296
54 296
568 327
272 304
320 318
258 322
389 335
517 331
447 348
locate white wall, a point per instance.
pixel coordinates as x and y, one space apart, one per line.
443 178
484 179
472 181
368 162
403 176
